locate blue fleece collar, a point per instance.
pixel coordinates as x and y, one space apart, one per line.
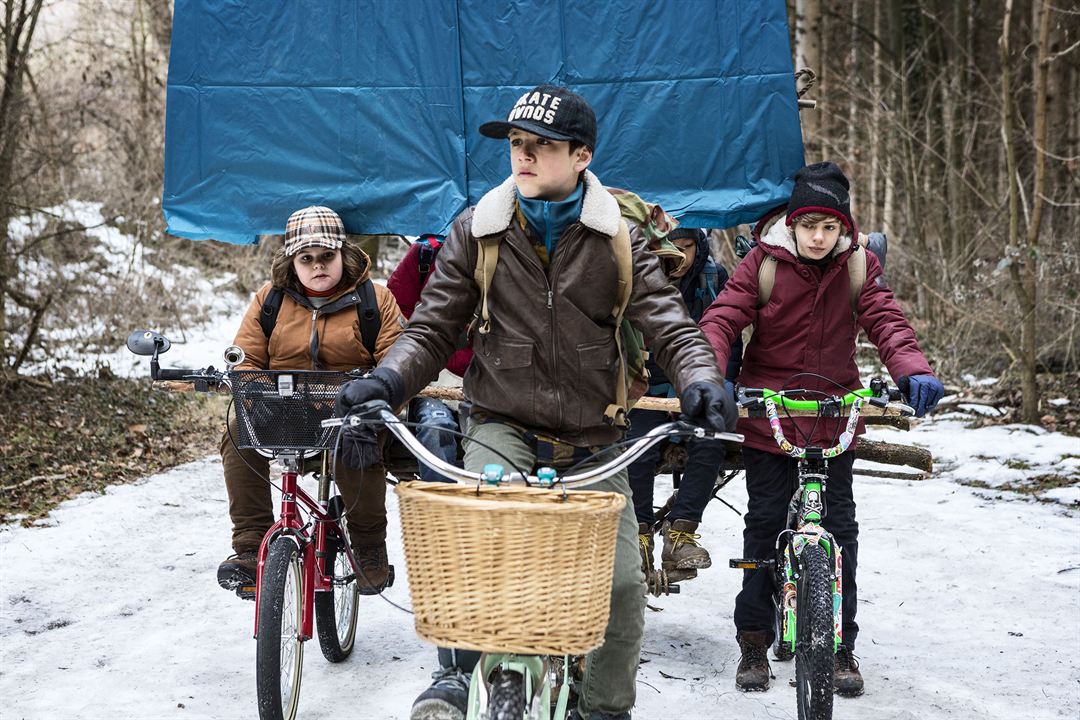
550 219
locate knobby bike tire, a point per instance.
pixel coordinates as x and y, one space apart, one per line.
279 653
814 651
507 699
336 610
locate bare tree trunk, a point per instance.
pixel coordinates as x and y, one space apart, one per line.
1024 265
17 35
875 140
808 55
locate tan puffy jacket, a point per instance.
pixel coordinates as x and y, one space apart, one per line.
333 329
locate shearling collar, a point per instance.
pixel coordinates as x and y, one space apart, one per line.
495 211
780 235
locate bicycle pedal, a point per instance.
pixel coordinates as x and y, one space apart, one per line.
748 564
246 592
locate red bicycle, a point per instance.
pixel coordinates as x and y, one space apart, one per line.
307 574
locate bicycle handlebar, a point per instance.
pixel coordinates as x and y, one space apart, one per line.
379 412
879 394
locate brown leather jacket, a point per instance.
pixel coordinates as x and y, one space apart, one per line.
550 361
333 329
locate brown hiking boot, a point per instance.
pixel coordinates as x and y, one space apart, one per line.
681 549
238 572
847 680
374 574
753 673
645 545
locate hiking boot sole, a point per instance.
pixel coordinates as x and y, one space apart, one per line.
752 688
849 692
688 564
435 710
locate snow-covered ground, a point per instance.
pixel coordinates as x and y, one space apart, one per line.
969 596
969 607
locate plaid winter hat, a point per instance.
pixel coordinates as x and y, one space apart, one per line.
821 188
313 226
549 111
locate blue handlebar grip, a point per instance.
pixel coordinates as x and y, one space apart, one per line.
492 473
546 476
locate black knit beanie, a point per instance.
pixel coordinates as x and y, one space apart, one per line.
821 187
681 232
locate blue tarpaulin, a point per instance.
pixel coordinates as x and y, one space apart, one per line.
371 107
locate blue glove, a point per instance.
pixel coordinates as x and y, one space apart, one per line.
923 392
730 387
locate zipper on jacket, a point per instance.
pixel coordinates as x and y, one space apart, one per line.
312 344
554 357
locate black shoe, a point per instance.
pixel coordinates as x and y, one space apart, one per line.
847 680
575 715
446 699
239 573
753 673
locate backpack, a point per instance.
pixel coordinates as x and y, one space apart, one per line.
367 312
856 266
876 243
629 342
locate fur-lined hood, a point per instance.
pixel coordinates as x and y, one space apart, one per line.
777 234
495 211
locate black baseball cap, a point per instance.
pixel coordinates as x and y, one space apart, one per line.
549 111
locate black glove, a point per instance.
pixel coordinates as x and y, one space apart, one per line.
379 384
709 405
359 443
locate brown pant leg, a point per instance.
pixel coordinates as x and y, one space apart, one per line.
250 506
364 493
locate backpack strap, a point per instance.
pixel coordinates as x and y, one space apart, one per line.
426 257
367 312
270 308
615 413
486 259
766 278
856 266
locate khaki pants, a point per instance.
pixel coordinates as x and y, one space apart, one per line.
251 508
609 684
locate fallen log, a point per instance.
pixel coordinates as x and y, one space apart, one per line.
870 450
872 414
873 450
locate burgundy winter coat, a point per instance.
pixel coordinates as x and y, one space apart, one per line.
807 326
405 283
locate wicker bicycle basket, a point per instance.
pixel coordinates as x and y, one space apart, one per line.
283 409
520 570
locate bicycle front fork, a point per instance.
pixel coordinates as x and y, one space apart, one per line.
790 545
538 677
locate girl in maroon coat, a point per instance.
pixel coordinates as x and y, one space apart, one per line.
807 326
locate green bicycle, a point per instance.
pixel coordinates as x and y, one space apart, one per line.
808 561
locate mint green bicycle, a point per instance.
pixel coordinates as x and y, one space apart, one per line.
808 562
529 684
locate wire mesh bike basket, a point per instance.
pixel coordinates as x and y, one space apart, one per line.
520 570
283 409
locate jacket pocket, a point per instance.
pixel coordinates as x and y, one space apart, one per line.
598 371
508 382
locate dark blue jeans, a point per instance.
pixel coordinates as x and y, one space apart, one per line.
436 418
699 477
771 480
